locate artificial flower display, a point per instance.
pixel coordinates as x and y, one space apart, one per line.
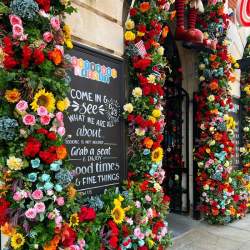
39 206
222 188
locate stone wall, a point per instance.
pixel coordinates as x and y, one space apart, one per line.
99 24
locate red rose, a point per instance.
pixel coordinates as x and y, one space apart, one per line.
42 131
68 236
142 64
113 242
27 53
47 157
146 90
143 248
44 4
87 214
142 28
4 205
131 117
32 147
38 56
133 12
52 136
9 62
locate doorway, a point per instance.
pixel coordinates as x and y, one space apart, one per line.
176 137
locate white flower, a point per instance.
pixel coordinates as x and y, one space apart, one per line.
211 143
211 98
130 24
226 164
128 108
157 186
246 129
200 164
137 92
139 132
242 150
151 78
202 66
160 51
14 163
202 78
202 126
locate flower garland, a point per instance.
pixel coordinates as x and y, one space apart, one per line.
223 196
39 207
245 120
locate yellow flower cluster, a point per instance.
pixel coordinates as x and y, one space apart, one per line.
230 122
118 213
14 163
67 36
63 105
247 89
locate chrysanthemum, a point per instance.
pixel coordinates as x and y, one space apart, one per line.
12 95
157 155
74 220
17 240
118 214
45 99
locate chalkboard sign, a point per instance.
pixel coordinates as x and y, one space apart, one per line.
95 128
236 139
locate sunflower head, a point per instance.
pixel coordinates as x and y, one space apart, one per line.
17 240
118 214
157 155
74 220
45 99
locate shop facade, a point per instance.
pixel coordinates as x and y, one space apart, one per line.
98 35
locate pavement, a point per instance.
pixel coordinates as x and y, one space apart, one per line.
198 235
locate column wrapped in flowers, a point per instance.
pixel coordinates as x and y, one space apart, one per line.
39 207
223 195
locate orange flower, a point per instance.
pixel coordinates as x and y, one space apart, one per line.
148 143
165 31
61 152
52 245
232 210
172 15
71 192
213 85
220 11
215 211
215 65
12 95
7 229
217 136
145 6
212 57
214 111
55 56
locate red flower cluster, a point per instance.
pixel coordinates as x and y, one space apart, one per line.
4 205
68 236
32 148
86 214
44 4
9 60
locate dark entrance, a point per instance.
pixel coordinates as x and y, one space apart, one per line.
176 139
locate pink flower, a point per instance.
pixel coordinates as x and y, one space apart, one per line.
74 247
50 192
47 37
138 234
51 216
37 194
138 204
31 213
61 131
39 207
22 106
58 220
60 201
17 31
29 120
15 20
148 198
17 196
81 243
42 111
45 120
59 117
55 23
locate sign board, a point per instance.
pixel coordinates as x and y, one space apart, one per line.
236 139
95 128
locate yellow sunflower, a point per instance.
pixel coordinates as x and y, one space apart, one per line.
157 155
74 220
12 95
118 214
45 99
17 240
